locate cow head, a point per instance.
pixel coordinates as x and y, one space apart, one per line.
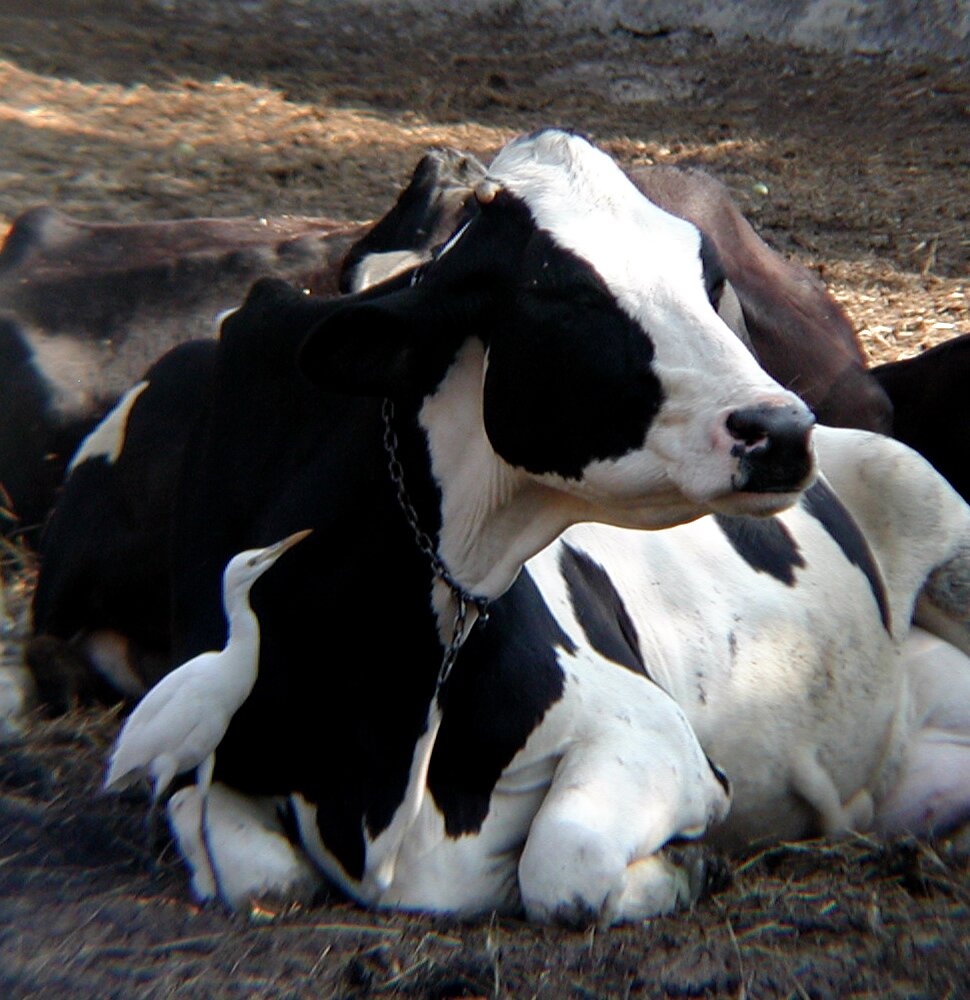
569 324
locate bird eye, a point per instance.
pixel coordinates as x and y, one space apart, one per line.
251 561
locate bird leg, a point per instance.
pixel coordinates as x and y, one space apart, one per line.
162 772
203 781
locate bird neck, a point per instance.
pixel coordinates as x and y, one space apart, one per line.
243 634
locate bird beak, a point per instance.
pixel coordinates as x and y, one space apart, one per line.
273 552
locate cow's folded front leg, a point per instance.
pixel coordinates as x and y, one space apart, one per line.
574 874
595 851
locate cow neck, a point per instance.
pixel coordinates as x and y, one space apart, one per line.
460 597
493 517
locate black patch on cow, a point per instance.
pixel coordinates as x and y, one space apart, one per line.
713 267
822 503
600 610
506 678
337 707
765 544
569 378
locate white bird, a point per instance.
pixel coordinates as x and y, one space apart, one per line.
183 718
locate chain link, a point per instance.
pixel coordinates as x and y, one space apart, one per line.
462 597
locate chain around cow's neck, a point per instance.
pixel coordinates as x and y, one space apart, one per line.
463 598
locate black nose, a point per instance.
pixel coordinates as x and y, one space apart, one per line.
773 449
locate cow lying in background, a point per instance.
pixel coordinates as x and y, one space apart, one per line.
553 765
85 308
89 306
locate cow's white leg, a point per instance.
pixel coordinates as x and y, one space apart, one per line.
813 783
932 791
243 854
582 865
592 851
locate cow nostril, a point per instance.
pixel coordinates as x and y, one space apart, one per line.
772 447
743 426
757 426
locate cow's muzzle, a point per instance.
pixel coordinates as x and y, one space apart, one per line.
772 443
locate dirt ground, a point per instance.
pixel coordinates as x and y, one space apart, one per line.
857 166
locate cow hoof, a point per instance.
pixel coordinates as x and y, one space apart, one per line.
709 874
650 887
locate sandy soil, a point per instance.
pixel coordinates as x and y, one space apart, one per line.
858 167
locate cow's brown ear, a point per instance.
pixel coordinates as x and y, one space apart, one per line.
375 347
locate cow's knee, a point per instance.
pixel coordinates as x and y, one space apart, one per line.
567 871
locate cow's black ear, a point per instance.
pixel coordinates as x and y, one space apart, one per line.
374 347
274 319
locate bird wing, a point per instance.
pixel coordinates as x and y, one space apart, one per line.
163 721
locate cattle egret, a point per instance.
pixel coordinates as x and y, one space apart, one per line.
180 722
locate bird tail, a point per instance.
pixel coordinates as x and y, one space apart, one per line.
116 780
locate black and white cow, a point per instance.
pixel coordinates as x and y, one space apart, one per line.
558 362
101 606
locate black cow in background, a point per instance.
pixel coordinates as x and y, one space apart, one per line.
930 395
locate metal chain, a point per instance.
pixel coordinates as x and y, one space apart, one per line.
462 597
